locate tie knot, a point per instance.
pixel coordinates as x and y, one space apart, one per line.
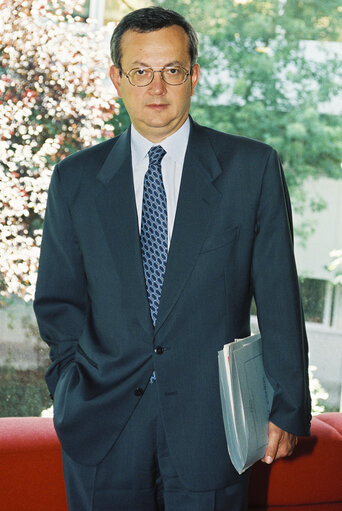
156 154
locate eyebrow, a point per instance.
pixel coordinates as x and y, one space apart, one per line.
142 64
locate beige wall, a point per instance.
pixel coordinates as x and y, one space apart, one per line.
313 259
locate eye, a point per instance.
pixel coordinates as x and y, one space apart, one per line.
140 72
173 70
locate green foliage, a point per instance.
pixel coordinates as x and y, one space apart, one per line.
258 79
336 265
22 393
121 120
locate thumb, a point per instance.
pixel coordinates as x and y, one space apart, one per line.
272 446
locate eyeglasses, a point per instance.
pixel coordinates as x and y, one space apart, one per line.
142 76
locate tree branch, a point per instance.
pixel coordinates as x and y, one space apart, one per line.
127 5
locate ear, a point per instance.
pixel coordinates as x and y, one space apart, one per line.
194 77
115 76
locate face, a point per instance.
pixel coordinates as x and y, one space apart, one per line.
158 109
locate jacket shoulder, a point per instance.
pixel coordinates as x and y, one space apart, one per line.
89 157
77 172
224 140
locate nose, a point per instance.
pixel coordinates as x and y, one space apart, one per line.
157 86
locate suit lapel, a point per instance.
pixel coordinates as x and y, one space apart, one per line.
116 205
197 203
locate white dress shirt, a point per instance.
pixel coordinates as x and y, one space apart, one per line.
172 166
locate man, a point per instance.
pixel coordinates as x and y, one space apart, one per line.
154 243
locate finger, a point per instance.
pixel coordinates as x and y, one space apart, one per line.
286 445
274 438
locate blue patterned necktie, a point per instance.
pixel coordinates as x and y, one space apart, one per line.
153 236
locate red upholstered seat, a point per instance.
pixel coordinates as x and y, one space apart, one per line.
31 477
309 480
31 474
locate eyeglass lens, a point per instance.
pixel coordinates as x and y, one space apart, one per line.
144 76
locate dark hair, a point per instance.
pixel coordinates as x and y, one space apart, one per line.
150 19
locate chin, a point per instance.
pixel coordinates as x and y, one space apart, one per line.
159 123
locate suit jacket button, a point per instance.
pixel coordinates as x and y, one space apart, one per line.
159 350
139 391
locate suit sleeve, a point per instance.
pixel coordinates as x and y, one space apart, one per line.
280 316
61 300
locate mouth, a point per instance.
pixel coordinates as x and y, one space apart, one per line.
157 106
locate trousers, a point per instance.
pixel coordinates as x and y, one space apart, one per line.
138 473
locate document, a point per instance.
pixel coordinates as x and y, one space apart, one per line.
246 397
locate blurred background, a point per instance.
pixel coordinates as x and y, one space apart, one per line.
271 70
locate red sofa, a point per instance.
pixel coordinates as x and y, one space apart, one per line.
31 470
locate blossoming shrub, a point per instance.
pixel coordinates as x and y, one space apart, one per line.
318 394
22 393
53 101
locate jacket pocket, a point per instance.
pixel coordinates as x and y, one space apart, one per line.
227 237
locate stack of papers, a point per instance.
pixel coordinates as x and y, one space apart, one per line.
246 397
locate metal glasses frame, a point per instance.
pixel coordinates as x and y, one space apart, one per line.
157 70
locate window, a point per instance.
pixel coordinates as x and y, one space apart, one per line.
116 9
313 293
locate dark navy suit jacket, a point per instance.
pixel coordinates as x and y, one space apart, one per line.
232 239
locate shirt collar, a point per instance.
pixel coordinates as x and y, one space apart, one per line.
175 145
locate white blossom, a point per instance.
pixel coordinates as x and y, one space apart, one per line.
318 394
53 101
